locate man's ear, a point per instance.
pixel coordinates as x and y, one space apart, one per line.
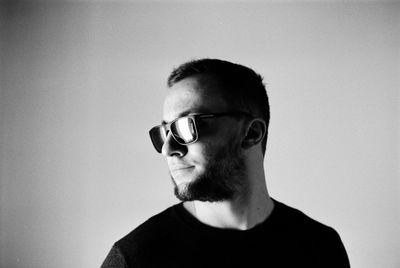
255 133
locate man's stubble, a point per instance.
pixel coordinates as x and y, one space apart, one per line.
223 179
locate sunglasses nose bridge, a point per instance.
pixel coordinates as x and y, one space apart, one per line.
172 147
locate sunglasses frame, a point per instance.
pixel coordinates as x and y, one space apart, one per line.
167 126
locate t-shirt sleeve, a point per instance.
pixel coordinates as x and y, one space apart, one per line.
114 259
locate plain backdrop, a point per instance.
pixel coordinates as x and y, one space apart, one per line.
83 82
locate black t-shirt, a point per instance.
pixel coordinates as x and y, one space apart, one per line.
174 238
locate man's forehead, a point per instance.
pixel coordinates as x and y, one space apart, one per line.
192 95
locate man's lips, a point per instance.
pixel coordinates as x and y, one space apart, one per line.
179 168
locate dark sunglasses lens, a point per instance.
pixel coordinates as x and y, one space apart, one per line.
157 136
184 130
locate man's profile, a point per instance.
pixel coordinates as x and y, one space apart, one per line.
214 135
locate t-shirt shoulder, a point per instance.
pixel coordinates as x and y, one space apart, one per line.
322 239
154 227
293 218
114 259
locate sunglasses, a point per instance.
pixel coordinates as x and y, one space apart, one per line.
183 129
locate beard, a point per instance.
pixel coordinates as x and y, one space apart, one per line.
223 179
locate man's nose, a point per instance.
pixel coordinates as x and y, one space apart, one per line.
172 148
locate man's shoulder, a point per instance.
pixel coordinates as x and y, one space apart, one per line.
294 219
319 241
141 242
297 226
151 229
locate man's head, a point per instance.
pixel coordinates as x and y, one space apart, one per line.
240 86
215 113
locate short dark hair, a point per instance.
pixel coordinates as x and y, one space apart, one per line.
243 86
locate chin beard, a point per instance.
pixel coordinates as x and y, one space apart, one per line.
223 180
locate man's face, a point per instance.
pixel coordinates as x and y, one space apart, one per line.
212 168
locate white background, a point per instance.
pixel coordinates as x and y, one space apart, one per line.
82 82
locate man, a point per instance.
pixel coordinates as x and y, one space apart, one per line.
213 135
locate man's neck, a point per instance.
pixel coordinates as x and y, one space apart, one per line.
238 214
